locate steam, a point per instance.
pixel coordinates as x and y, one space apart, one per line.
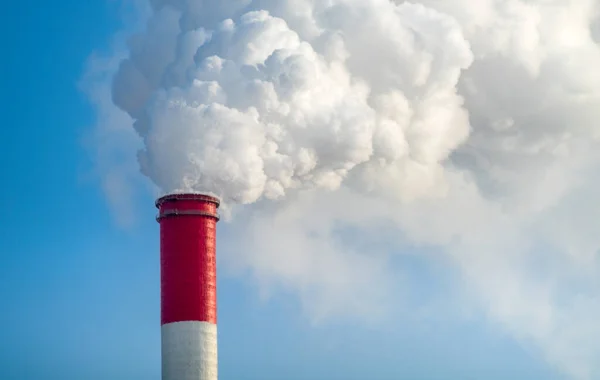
470 128
250 107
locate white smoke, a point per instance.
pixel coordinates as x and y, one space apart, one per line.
249 107
468 127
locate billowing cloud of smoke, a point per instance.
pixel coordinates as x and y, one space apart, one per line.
262 102
469 128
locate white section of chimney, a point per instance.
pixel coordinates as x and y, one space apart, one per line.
189 351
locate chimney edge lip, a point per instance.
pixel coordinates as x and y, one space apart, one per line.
188 196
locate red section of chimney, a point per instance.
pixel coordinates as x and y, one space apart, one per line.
188 257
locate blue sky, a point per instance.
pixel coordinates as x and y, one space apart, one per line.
81 295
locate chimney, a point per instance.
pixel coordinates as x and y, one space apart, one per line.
188 286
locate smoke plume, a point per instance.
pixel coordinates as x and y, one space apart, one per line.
267 100
471 128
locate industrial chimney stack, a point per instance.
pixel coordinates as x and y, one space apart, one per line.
188 286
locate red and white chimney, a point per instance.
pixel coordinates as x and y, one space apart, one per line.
188 286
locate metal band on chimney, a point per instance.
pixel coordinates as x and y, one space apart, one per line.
175 212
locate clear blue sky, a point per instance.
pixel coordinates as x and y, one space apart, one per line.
80 296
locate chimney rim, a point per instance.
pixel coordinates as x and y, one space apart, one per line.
188 196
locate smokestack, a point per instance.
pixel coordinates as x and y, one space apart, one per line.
188 286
